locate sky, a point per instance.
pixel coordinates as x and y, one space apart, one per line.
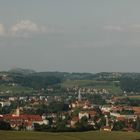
70 35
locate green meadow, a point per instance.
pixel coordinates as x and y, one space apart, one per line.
109 85
11 90
93 135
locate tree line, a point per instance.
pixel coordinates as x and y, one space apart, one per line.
130 84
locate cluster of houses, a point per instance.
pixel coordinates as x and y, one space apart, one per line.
88 90
27 122
111 114
32 100
23 121
95 114
124 114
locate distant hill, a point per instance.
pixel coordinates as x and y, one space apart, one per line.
75 75
22 71
114 81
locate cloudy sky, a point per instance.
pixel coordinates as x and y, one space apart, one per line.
70 35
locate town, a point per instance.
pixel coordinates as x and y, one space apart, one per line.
69 70
74 108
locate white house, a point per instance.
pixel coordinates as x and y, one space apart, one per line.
83 114
5 103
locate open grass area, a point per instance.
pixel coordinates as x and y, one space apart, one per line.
94 135
130 97
109 85
14 89
81 83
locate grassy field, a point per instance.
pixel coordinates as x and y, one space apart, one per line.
5 135
14 89
91 83
130 97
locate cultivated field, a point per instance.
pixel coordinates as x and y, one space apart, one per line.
5 135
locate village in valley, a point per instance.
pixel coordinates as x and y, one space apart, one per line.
69 70
74 108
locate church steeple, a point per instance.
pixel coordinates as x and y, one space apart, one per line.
17 111
79 95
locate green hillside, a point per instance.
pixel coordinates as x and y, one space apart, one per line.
109 85
11 90
5 135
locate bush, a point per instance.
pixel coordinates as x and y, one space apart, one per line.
4 125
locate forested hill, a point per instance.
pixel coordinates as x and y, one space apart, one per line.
37 80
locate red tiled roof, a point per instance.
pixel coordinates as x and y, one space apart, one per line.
120 118
92 113
105 112
136 109
22 117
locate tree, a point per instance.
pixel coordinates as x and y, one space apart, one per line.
138 124
55 107
118 125
42 127
4 125
130 84
83 125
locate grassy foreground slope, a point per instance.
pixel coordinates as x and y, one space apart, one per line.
5 135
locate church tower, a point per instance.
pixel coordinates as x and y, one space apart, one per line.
79 95
17 111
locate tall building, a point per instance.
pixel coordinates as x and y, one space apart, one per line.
79 95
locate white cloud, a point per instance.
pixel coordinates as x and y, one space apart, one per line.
25 28
128 28
113 28
28 28
2 30
51 29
